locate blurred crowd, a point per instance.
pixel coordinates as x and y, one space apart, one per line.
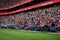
47 19
8 3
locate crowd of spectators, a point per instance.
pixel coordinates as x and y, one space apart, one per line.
47 19
8 3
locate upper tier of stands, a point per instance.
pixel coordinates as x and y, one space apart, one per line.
8 3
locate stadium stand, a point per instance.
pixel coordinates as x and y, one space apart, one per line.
39 19
14 5
8 3
46 19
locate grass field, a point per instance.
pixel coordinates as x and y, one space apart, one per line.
6 34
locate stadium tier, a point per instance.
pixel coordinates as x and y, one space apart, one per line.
34 15
8 4
28 6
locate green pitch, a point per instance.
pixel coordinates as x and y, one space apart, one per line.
6 34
